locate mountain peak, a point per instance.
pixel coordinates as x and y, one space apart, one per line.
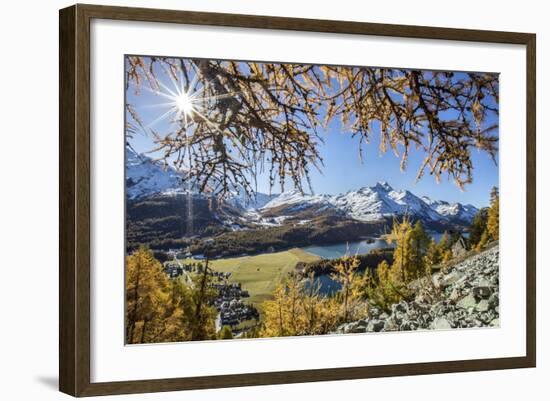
383 185
144 177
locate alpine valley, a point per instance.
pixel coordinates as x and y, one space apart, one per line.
165 212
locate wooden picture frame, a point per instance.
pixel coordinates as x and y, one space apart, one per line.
74 199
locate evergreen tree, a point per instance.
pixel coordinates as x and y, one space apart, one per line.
411 244
484 240
274 313
447 256
175 326
328 312
493 195
493 216
478 226
402 256
445 244
419 242
413 256
310 303
433 256
162 310
202 316
384 287
345 273
146 297
294 294
298 309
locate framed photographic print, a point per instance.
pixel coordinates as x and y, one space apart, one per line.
250 200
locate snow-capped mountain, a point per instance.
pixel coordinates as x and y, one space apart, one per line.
452 210
373 204
296 200
239 199
145 177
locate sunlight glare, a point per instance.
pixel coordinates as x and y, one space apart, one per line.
184 103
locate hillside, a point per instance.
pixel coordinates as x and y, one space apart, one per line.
322 230
465 295
163 221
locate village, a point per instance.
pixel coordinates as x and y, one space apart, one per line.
229 303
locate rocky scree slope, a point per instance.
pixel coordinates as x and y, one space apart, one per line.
465 295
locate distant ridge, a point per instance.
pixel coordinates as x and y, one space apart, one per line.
145 178
374 203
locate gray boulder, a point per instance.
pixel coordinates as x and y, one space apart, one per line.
482 306
441 323
375 325
467 302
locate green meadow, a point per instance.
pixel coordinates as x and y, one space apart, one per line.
260 274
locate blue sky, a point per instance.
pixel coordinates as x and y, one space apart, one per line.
343 170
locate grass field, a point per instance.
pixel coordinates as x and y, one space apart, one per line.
259 274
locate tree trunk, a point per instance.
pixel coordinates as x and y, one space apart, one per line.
196 327
132 316
143 331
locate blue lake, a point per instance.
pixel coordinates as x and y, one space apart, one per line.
335 251
327 285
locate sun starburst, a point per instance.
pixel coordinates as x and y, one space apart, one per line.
181 103
184 104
